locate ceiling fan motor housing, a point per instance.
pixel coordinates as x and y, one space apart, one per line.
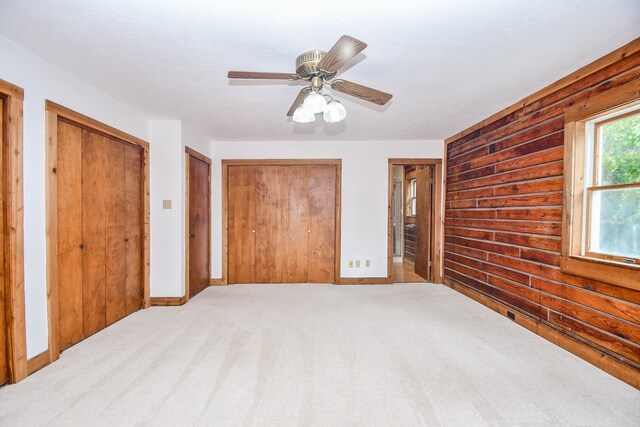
307 63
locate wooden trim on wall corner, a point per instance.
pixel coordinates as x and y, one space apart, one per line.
168 301
363 281
38 362
601 360
217 281
618 54
13 283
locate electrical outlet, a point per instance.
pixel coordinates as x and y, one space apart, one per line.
367 263
166 204
358 264
350 264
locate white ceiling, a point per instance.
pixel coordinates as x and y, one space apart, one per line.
448 63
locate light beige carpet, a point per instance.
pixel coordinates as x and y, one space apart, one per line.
319 355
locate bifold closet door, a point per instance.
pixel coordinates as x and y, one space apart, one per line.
295 235
99 211
322 223
241 224
282 224
69 214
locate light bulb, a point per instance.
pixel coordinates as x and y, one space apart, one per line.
302 115
335 112
315 103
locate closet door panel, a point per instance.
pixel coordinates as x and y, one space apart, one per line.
295 225
423 222
114 189
94 175
69 214
322 223
241 222
133 195
268 205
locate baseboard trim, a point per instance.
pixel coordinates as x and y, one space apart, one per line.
363 281
38 362
601 360
216 282
168 301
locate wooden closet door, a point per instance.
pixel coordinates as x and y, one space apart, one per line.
133 196
322 223
295 223
69 214
94 177
241 193
115 228
268 219
199 219
423 222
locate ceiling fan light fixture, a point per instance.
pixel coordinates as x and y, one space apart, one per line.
335 112
315 103
303 115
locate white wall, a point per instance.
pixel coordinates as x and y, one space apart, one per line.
40 80
365 178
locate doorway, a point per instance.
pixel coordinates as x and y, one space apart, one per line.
415 220
198 227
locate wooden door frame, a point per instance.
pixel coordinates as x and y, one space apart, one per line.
189 152
436 218
13 240
55 112
278 162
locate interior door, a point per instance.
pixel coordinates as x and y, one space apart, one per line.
397 219
423 222
4 368
241 207
199 225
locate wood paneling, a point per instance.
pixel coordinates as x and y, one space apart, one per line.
282 221
4 350
503 219
199 222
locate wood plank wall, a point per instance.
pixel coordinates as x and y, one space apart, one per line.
503 221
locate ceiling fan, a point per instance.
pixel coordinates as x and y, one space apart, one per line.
319 68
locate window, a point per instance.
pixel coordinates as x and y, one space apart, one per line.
411 198
613 188
601 223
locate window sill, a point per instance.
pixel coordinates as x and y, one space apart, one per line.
616 273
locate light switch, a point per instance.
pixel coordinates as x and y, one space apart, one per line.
166 204
350 264
367 263
357 263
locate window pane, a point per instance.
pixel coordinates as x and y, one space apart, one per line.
620 151
615 222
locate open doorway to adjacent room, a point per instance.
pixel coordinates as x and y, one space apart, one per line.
415 188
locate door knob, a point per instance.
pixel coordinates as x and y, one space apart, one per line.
308 231
81 245
254 231
192 235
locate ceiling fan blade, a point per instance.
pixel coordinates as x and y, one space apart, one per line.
345 48
363 92
298 100
261 75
